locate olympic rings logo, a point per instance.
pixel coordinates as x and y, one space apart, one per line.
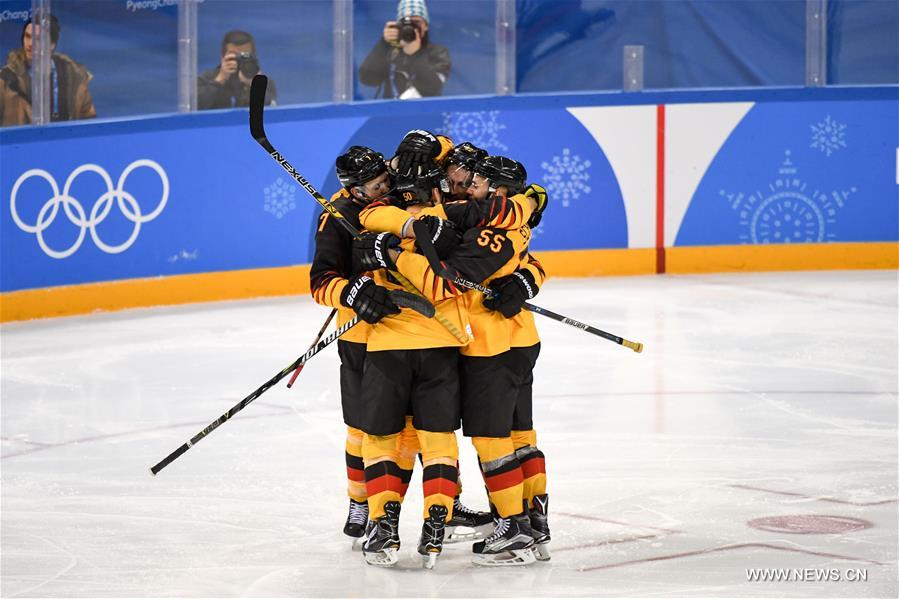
75 212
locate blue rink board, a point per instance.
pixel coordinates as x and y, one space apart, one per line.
230 207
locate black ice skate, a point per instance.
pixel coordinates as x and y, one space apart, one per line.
467 525
431 543
356 521
540 527
511 544
383 540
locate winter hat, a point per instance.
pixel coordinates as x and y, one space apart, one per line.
412 8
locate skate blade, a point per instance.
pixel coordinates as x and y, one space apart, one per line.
464 534
541 552
515 557
429 561
356 543
384 558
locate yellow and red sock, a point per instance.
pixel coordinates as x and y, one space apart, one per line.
502 473
383 477
439 456
533 464
408 452
355 468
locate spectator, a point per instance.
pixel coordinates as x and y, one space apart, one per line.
228 85
404 63
70 97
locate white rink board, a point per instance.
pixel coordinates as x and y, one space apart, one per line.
758 395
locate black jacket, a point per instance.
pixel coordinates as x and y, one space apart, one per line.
426 70
211 94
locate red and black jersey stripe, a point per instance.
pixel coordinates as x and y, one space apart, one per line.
507 474
355 469
532 461
384 476
440 479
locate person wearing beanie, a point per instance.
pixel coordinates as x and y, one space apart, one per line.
404 63
70 97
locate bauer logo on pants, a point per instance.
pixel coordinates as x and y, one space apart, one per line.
75 211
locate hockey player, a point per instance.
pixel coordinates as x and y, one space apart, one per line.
511 292
337 282
459 167
420 149
411 365
490 375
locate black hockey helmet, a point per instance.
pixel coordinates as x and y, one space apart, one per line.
500 170
466 155
358 166
416 189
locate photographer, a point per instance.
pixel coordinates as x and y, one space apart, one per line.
404 64
228 85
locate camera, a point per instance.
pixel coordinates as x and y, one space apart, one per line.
407 28
247 64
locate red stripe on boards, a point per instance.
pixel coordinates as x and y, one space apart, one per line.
660 189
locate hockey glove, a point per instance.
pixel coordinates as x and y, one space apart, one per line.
538 194
416 153
443 235
370 250
511 292
370 301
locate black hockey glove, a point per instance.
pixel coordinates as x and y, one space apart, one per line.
512 291
443 235
370 250
416 153
538 194
370 301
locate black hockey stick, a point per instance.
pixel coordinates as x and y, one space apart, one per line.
257 130
400 298
318 337
424 242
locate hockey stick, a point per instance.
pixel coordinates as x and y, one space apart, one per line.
257 130
253 396
400 298
321 332
427 248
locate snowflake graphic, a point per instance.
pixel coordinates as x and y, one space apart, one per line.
787 212
279 198
566 177
828 136
480 128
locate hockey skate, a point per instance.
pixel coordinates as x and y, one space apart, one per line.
356 522
383 540
540 527
432 532
511 544
467 525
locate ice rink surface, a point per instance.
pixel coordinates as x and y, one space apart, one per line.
757 430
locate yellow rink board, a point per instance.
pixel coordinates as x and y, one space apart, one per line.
294 280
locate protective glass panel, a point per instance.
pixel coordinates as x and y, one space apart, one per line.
574 45
862 38
459 49
290 41
116 58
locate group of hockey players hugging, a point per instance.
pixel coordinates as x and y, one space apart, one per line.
408 382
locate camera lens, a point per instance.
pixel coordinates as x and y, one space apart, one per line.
248 65
407 33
